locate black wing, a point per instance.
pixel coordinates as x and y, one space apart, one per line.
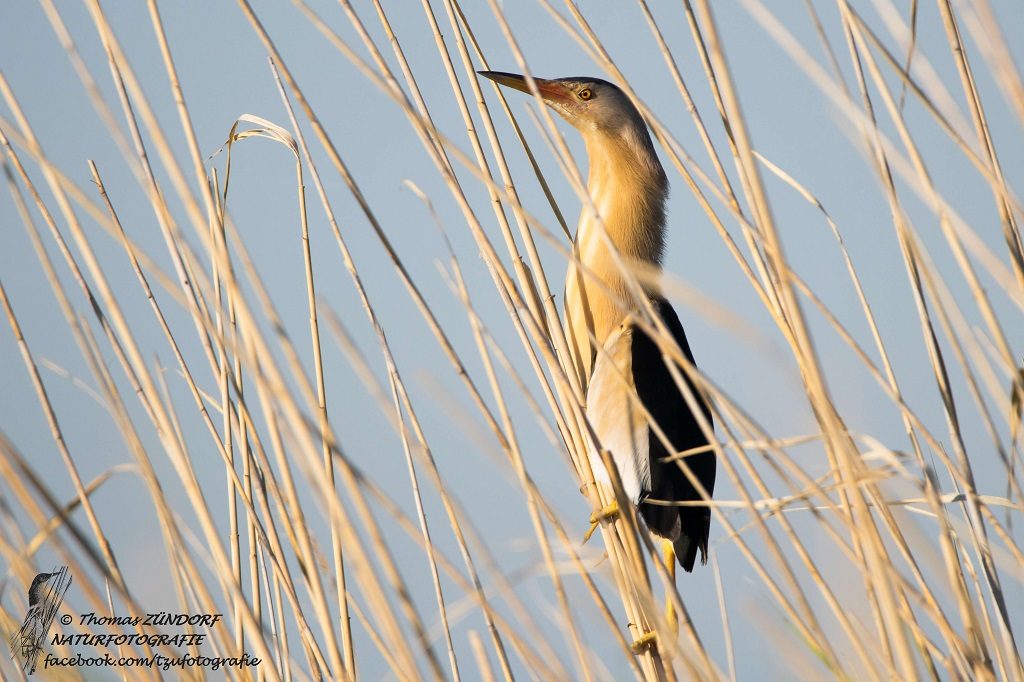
686 527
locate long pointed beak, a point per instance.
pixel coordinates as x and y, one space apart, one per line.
549 90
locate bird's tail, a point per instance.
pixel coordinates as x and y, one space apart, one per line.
686 552
686 527
692 537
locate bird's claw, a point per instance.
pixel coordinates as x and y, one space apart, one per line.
643 642
609 512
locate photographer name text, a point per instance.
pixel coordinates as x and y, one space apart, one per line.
158 619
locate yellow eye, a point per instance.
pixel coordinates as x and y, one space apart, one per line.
585 94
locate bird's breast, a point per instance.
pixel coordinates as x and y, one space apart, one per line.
597 298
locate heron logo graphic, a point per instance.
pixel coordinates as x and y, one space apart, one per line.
45 595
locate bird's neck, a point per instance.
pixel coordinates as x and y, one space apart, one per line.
628 187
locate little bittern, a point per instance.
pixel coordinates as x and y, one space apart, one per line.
628 187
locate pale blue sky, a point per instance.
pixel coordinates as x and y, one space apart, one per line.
224 73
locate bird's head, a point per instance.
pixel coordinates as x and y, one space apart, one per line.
589 104
41 578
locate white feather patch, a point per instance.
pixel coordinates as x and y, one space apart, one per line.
619 424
